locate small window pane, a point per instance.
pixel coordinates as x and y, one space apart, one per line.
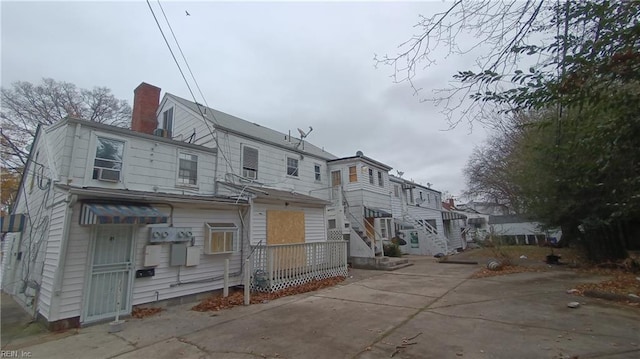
292 166
188 169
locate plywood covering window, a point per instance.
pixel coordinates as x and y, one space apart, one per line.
249 162
396 191
336 178
285 227
353 174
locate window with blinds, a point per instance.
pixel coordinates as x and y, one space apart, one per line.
249 162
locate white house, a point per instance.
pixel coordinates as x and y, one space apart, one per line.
118 215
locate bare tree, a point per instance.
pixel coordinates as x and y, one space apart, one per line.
25 106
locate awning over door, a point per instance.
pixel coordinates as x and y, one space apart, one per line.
448 216
376 213
13 222
101 213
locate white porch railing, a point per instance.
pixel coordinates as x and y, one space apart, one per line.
276 267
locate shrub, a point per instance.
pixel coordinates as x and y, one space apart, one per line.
392 250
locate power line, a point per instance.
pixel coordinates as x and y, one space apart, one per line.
186 81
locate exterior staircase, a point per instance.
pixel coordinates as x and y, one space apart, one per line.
436 243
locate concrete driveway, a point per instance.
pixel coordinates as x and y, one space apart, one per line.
373 314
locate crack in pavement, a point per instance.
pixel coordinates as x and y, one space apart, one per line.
393 291
364 302
394 328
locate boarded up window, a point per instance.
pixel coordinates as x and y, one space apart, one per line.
250 162
336 178
396 191
353 174
285 227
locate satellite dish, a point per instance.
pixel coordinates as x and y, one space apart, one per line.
302 133
359 154
400 173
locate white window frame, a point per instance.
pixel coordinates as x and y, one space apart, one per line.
317 172
380 179
396 191
247 171
93 167
181 181
371 179
228 229
296 173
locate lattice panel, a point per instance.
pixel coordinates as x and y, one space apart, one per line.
335 235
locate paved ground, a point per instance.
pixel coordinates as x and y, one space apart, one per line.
450 316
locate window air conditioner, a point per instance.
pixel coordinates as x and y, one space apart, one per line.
108 175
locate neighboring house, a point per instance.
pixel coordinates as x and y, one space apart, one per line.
514 229
490 208
420 218
361 208
455 225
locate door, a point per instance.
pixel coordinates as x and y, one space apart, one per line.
110 274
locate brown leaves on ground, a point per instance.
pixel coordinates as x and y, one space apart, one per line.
139 312
217 302
620 284
503 270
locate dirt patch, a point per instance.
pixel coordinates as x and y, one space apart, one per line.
140 312
504 270
217 302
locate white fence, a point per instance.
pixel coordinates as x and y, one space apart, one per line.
277 267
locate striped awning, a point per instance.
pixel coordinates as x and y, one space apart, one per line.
13 222
449 216
102 213
376 213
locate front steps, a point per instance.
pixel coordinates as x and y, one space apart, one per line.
379 263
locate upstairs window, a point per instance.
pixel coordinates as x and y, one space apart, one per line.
188 169
107 165
396 190
167 121
249 162
371 176
380 181
336 178
292 166
316 171
353 174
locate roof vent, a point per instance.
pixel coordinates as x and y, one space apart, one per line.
359 154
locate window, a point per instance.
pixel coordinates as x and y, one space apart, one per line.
353 174
410 195
332 224
167 121
292 166
316 170
380 181
220 238
422 198
249 162
396 191
187 169
108 162
371 176
336 178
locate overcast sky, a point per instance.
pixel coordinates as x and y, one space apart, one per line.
282 65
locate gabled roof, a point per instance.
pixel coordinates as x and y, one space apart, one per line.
252 130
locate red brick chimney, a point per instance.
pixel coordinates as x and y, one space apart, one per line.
451 202
146 99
